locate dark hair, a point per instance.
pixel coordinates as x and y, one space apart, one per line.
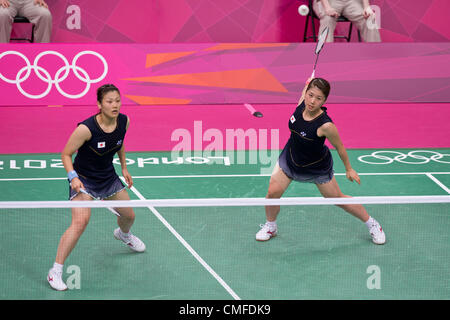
104 89
321 84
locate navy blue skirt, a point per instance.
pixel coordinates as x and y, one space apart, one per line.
304 176
99 191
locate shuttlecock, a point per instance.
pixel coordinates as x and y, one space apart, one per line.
303 10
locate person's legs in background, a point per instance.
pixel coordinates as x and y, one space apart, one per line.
41 18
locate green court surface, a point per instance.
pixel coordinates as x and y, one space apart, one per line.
321 252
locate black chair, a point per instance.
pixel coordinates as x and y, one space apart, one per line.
20 19
312 15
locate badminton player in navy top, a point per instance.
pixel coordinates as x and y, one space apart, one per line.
305 158
92 176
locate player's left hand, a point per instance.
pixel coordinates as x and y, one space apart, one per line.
127 177
353 176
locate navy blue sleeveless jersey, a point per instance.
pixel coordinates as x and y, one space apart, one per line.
94 158
306 153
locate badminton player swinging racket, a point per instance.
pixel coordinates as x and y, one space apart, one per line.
306 158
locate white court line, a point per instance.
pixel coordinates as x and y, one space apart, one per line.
440 184
31 179
188 247
232 176
268 175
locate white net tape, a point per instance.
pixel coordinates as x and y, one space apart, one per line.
224 202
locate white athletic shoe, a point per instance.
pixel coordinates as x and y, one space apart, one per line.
133 242
55 280
265 233
377 233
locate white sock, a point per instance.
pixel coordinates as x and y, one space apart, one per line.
369 223
272 224
125 235
58 267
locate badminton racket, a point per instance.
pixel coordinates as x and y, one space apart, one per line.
319 46
110 209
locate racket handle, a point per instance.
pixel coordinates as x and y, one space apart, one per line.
313 74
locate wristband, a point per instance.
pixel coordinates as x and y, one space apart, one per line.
72 174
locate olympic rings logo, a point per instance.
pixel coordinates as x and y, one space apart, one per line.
420 156
60 75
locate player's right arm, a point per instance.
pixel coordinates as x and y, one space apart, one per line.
304 91
79 136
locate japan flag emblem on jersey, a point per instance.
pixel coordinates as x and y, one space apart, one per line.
292 119
101 145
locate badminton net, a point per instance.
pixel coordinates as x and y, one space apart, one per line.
206 249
